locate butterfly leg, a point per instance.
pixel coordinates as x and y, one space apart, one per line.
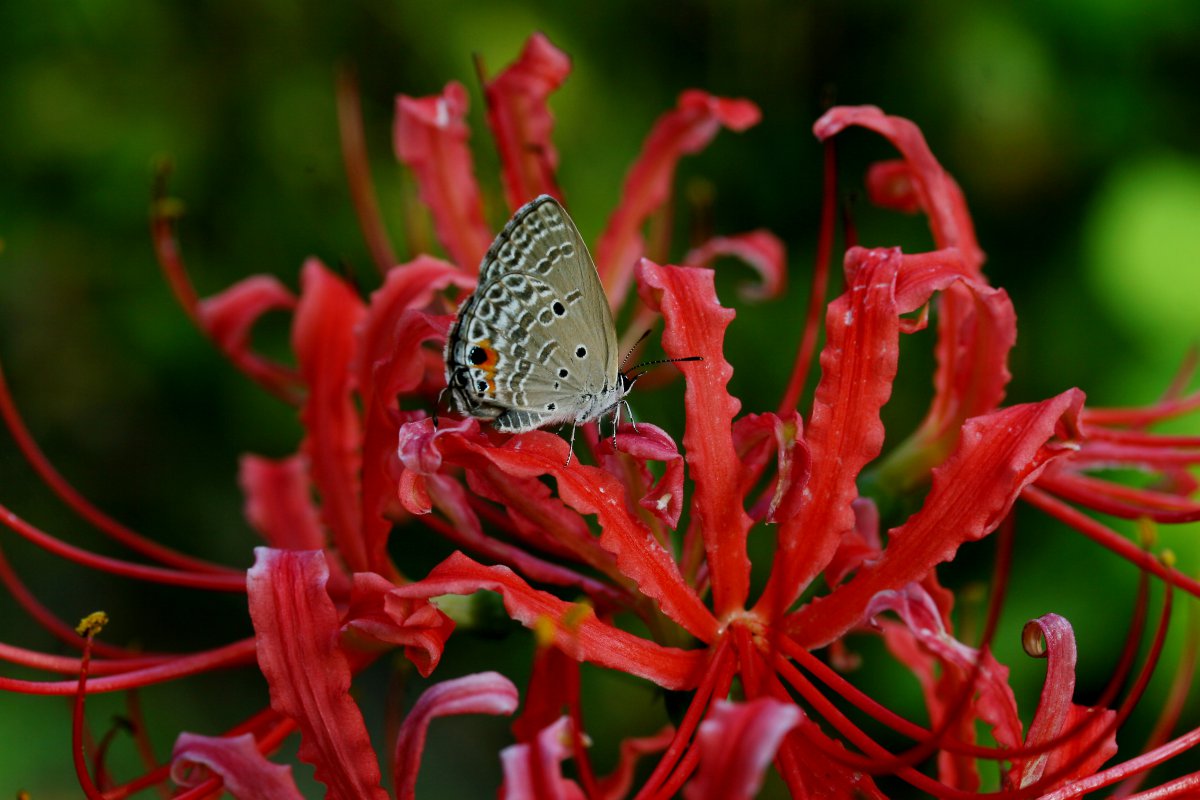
571 446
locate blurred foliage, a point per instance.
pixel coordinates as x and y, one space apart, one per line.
1072 126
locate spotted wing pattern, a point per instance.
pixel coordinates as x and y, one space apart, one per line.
535 344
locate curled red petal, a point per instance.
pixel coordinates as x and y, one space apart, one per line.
247 775
430 137
761 249
934 189
1057 714
891 184
737 742
296 630
279 502
324 336
688 128
695 324
998 455
575 628
521 121
481 693
379 614
533 771
228 317
616 784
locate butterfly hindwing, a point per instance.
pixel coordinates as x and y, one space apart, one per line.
535 344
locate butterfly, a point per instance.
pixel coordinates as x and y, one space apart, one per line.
535 344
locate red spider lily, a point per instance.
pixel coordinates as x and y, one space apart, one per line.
326 599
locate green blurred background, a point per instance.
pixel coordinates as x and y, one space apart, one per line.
1073 127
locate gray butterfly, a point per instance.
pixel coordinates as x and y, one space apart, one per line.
536 345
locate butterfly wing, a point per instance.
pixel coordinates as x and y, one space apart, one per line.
535 344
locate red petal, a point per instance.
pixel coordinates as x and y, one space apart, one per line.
534 771
521 121
481 693
397 371
408 286
891 184
760 249
549 694
934 189
279 502
228 318
575 628
998 455
695 324
589 490
844 433
296 629
431 139
324 338
737 742
377 613
243 770
686 129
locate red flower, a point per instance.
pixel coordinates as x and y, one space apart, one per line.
672 544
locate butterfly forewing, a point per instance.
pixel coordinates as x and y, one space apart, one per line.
535 344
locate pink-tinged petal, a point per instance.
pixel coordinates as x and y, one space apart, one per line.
737 742
534 771
761 249
998 455
858 365
243 770
296 629
943 665
617 784
695 324
431 139
379 614
664 500
521 121
759 436
860 544
481 693
933 188
228 317
686 129
575 628
1056 715
324 339
279 502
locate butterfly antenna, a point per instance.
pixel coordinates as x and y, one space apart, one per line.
629 355
646 366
